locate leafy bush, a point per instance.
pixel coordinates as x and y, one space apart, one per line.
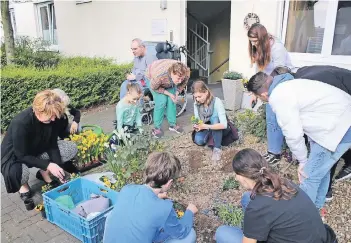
230 183
253 123
230 214
128 161
88 81
232 75
32 53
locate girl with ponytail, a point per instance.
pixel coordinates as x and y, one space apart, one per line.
275 209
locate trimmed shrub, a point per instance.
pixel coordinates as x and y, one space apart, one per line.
88 81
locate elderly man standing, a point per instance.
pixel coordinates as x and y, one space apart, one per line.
141 61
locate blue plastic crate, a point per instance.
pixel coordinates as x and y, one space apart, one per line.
80 189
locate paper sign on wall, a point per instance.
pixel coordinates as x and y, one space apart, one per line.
159 27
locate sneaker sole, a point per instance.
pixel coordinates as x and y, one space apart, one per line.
173 130
274 162
155 136
344 178
329 199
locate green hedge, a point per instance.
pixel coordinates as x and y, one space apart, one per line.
87 81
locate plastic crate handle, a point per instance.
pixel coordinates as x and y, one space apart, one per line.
68 212
60 190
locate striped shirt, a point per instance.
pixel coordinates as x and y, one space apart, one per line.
160 79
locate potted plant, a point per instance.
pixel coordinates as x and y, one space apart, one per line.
233 89
246 100
91 149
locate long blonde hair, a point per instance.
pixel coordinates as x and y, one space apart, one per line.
201 87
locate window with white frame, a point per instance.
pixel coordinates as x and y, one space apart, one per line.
13 22
322 28
47 22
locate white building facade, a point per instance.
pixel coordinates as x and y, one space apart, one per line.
314 32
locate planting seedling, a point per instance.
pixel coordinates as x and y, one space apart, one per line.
40 208
196 121
179 208
46 188
230 183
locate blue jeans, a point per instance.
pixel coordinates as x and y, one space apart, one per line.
190 238
202 136
317 170
275 137
123 89
229 234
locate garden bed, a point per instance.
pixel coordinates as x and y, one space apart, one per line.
204 183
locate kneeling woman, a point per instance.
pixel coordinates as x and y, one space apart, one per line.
275 210
211 112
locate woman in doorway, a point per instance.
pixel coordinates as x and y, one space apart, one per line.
275 209
268 52
210 111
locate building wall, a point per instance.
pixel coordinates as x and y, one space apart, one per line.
25 19
219 37
106 28
268 12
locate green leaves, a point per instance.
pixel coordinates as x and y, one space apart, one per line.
88 81
230 214
232 75
230 183
129 158
253 123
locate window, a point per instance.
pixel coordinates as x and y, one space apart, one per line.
342 33
47 22
305 27
13 22
318 31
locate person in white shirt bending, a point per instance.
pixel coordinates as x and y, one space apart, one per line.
319 110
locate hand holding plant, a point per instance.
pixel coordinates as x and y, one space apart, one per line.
196 121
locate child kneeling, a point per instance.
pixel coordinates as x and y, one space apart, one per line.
142 214
128 111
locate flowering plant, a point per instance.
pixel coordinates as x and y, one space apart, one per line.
91 146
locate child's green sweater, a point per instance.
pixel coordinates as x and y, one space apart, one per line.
127 114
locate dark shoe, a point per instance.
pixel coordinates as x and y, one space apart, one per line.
344 173
29 204
25 196
329 196
272 158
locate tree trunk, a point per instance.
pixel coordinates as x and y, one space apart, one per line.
8 31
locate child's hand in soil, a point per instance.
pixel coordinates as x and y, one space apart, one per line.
162 195
192 208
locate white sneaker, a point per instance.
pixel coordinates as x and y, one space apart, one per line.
216 154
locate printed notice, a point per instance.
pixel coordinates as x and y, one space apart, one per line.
159 27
